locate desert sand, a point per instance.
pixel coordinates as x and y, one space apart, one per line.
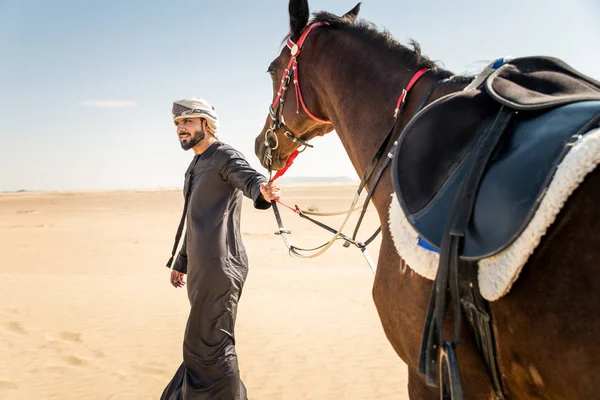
87 311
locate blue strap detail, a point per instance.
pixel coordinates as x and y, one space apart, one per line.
500 62
426 245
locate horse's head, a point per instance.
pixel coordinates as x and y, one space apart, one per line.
293 121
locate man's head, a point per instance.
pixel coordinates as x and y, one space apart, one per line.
194 118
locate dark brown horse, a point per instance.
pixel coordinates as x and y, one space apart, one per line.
546 328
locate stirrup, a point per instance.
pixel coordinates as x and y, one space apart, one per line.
449 374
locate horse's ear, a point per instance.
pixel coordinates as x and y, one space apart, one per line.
352 14
298 17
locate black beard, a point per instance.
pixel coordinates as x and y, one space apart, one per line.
195 138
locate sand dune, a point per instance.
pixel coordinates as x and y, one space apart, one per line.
86 310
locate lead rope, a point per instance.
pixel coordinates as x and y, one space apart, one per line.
293 250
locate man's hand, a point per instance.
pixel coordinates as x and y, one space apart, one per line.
177 279
270 191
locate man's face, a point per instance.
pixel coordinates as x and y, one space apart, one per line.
190 132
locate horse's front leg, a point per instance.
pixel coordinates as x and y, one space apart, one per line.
401 298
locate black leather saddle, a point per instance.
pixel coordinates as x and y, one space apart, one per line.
549 106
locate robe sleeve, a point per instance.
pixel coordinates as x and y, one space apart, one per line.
181 261
241 175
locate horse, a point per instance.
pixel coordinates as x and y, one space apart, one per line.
349 77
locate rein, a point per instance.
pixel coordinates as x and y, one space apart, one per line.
271 143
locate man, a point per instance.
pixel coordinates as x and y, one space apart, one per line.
212 254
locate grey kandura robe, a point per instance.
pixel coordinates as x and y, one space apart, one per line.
216 264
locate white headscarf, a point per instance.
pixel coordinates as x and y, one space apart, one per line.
196 107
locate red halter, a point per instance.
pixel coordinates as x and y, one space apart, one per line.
295 50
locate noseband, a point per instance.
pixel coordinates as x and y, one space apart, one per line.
276 108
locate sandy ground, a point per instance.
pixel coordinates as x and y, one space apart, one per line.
86 310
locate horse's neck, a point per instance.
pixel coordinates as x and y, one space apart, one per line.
361 109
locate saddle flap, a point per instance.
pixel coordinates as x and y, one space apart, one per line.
534 83
514 182
433 144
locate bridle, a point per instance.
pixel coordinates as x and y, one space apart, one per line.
271 143
276 108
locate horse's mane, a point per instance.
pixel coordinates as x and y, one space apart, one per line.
386 42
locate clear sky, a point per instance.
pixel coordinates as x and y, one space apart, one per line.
86 86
